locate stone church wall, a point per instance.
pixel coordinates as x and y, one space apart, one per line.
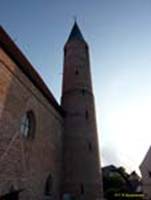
27 162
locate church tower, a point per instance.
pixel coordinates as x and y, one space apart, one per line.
81 167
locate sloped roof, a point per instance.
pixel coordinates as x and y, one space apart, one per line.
75 33
8 45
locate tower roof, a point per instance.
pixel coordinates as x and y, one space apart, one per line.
75 33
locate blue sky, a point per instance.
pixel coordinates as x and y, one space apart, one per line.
119 36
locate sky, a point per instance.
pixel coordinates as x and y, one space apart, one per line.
119 36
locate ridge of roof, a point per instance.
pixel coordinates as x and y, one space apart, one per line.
9 46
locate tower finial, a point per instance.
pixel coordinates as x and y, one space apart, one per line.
75 18
75 32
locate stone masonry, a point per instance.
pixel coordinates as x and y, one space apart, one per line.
81 166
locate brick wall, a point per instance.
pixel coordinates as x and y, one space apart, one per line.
82 173
26 163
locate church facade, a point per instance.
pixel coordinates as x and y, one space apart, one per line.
47 150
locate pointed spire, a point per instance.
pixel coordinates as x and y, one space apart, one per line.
75 33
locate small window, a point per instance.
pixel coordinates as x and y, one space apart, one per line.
86 50
76 72
83 92
149 174
86 47
86 115
27 127
48 186
65 51
82 189
90 146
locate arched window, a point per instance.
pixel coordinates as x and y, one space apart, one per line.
49 186
27 127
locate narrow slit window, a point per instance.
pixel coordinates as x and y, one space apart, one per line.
82 189
86 47
65 51
90 146
49 186
86 50
27 126
86 115
149 173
